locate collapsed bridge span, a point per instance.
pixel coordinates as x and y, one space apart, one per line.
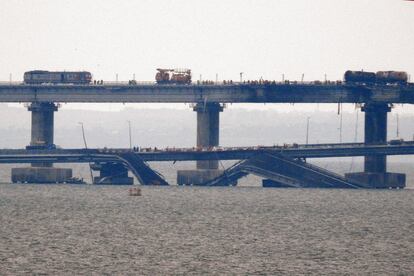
282 171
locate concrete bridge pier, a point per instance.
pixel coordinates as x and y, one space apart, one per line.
42 127
208 124
42 130
375 173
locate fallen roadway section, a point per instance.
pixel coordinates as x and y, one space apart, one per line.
141 170
281 166
282 171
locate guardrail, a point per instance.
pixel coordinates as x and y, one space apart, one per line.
221 83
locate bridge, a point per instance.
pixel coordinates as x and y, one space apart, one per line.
10 156
147 92
249 154
209 100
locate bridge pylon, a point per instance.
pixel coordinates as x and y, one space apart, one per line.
208 133
375 173
42 137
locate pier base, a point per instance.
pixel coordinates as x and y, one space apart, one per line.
197 177
41 175
42 139
372 180
208 122
112 174
268 183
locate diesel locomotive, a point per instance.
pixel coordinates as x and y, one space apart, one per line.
57 77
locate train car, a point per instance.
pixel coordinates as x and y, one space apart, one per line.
360 77
181 76
173 76
162 76
59 77
391 77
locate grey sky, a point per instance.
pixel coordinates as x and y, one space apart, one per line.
260 38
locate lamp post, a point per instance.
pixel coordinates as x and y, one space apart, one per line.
130 135
86 147
340 127
83 135
307 130
241 77
398 126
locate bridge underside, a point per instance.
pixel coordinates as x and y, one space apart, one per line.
282 171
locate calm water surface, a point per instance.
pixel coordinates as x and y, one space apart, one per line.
183 230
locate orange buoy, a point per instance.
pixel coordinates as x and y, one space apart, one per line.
134 191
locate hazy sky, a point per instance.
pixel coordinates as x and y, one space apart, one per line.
258 37
262 38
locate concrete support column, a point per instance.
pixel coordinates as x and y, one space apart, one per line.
376 133
375 173
208 123
42 123
42 127
41 138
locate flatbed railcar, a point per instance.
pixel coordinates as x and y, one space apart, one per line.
57 77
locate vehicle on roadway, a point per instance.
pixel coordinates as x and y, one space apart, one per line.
57 77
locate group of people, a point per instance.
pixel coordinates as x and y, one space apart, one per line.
98 82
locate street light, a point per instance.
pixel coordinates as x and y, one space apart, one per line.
83 135
307 129
130 136
241 77
398 126
340 124
86 147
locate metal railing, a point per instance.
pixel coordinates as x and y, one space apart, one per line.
195 83
204 83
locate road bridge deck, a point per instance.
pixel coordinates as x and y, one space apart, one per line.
189 154
294 92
